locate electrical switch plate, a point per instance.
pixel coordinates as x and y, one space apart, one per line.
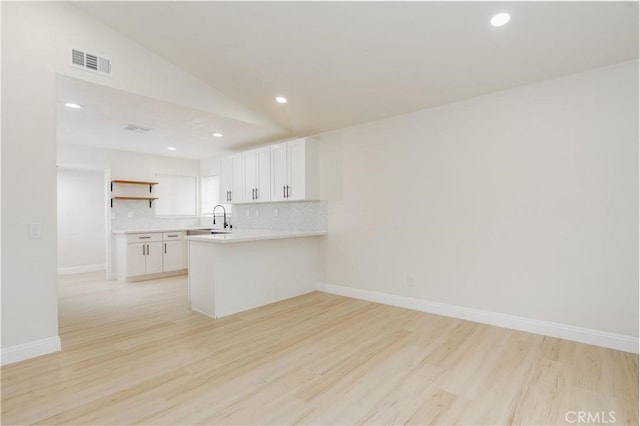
130 214
35 231
247 213
257 213
276 212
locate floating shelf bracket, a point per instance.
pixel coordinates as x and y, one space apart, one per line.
150 199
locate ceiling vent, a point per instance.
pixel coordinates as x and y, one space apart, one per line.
136 129
90 62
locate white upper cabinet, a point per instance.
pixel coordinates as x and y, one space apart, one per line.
297 162
232 179
250 165
257 175
279 178
286 171
294 170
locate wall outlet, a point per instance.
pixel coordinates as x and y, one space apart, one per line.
130 214
247 213
276 212
35 231
410 283
257 213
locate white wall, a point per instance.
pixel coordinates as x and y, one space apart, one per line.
81 225
210 166
127 165
523 202
133 166
46 30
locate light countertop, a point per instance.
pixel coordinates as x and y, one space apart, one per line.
170 229
237 236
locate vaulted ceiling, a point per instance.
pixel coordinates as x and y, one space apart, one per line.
344 63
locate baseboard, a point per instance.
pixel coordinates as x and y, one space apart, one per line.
81 269
545 328
30 350
155 276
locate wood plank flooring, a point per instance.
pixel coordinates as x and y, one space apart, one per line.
135 354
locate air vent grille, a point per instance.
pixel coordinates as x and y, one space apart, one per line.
77 57
90 62
136 129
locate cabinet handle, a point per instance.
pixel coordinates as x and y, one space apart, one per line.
257 194
230 195
288 195
143 250
165 248
284 191
175 235
143 238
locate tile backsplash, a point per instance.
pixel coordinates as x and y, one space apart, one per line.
143 217
289 216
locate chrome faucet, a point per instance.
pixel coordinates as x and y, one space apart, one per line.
224 212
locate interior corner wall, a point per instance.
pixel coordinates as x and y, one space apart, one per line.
522 202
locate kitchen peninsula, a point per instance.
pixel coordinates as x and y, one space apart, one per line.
230 273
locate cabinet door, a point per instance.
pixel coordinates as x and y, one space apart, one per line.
250 176
297 170
154 257
278 171
226 179
136 259
237 184
173 255
263 181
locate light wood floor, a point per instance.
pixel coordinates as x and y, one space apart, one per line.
135 353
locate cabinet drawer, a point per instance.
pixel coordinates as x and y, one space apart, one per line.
144 238
177 235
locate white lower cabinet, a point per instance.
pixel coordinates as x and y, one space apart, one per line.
145 256
173 255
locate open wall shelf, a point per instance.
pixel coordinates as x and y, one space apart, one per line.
134 182
151 199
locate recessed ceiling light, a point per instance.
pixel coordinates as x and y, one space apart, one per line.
171 148
281 99
218 135
500 19
72 105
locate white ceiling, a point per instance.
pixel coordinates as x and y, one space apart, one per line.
343 63
106 112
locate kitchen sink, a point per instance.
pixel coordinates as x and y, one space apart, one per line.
207 231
